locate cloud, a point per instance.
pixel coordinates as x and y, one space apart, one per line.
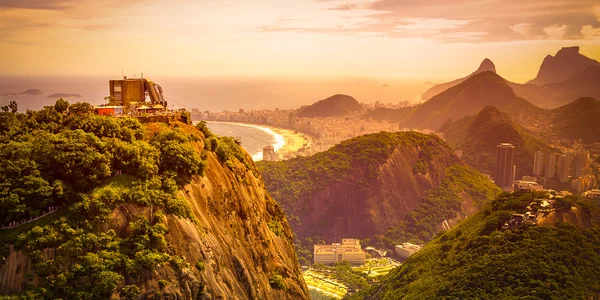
590 32
36 4
556 32
523 29
596 11
423 25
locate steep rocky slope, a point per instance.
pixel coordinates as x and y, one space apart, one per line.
218 235
366 185
557 259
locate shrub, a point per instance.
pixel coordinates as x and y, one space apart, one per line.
277 282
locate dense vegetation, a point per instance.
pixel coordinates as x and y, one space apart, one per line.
334 106
475 260
289 180
67 157
357 161
578 120
478 136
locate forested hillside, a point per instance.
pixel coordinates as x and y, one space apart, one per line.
143 210
389 187
557 259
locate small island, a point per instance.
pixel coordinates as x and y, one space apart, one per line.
29 92
64 95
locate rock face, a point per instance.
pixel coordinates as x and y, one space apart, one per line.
567 63
240 235
334 106
485 66
377 189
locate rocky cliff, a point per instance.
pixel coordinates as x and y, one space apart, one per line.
221 237
567 63
370 183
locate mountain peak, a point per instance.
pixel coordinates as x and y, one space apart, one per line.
567 63
486 65
568 51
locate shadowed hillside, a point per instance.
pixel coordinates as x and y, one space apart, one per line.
468 98
403 185
579 119
477 136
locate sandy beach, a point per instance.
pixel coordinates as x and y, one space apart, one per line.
287 142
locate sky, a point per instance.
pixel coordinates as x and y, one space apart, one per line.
429 40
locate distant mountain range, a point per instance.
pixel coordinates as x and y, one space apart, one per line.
561 79
468 98
64 95
567 63
477 136
334 106
30 92
486 65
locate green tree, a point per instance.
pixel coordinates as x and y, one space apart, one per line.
14 108
61 106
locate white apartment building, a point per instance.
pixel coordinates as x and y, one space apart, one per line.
407 249
349 250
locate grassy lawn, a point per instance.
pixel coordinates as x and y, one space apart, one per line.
117 182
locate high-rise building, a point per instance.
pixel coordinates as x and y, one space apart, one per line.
549 165
505 162
538 163
564 165
580 162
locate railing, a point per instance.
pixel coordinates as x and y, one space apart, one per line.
13 224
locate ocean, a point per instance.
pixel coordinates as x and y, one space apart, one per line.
254 138
213 94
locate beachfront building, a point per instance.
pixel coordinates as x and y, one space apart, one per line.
349 250
407 249
269 154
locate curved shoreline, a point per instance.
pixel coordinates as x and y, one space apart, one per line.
279 140
286 141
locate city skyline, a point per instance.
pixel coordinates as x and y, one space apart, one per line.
294 39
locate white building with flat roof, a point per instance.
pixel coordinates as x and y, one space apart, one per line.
407 249
349 250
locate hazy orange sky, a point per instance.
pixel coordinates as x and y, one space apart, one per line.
401 39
